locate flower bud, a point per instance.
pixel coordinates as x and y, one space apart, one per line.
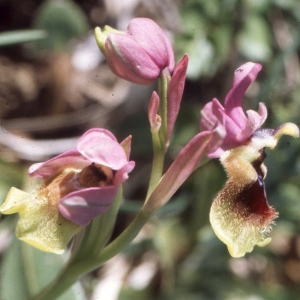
140 53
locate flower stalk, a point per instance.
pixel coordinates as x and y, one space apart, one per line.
163 84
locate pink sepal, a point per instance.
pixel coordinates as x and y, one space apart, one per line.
175 92
82 206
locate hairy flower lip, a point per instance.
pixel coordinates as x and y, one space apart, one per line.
240 215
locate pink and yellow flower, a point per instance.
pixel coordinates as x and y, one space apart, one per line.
76 187
240 215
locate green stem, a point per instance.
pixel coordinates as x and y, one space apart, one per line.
157 164
163 84
80 265
73 271
159 138
125 238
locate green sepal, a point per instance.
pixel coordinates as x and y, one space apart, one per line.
101 36
41 224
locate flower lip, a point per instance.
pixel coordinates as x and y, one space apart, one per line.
257 164
251 203
240 215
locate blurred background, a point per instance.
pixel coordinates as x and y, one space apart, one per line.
55 84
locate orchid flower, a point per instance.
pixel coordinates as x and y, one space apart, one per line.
240 215
139 54
76 187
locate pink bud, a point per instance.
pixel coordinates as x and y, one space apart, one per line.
154 119
141 53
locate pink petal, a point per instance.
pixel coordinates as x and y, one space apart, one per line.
122 174
153 111
175 92
214 118
215 148
224 136
126 145
100 146
243 77
152 38
262 112
129 61
211 114
82 206
254 121
50 167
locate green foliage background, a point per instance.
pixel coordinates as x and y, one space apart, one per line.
190 262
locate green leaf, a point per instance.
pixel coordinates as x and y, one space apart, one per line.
254 40
21 36
26 270
63 20
222 39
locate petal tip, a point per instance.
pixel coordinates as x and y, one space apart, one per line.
287 129
41 246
